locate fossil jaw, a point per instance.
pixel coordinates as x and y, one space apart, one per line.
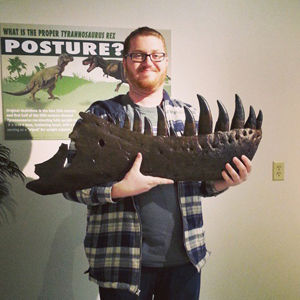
106 152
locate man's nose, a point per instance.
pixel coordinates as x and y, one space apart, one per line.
148 61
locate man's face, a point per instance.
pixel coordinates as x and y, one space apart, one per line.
147 75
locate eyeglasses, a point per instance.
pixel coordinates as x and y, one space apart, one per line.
141 57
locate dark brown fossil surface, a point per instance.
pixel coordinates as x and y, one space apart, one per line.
106 152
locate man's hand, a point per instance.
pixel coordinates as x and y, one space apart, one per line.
231 177
135 182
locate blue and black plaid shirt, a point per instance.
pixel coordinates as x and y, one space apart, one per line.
113 234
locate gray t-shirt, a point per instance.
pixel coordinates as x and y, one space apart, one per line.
162 233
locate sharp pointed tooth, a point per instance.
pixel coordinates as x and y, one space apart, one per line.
148 127
238 119
127 123
205 119
251 121
190 125
162 128
259 120
223 120
137 124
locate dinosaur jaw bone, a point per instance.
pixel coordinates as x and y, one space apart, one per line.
106 152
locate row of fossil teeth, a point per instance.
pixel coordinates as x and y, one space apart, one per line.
205 124
238 120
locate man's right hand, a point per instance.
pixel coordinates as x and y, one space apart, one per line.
135 182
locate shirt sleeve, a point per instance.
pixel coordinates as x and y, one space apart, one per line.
208 189
96 195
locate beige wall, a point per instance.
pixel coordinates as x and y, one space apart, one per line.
219 48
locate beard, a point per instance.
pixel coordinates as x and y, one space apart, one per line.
148 83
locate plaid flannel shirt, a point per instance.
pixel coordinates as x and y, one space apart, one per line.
113 234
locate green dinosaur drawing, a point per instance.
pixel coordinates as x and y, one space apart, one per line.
45 79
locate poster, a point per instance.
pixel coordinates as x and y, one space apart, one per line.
51 73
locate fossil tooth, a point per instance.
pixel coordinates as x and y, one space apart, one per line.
127 123
162 128
259 120
238 119
190 125
223 120
137 123
251 121
148 127
205 119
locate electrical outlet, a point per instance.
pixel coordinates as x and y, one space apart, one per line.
278 171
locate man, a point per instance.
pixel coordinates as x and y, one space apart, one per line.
145 234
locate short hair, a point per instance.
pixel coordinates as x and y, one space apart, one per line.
142 31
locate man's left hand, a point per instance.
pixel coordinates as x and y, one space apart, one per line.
233 177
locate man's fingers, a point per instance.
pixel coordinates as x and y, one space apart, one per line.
232 174
167 181
233 177
247 162
227 178
138 162
244 166
159 180
154 180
